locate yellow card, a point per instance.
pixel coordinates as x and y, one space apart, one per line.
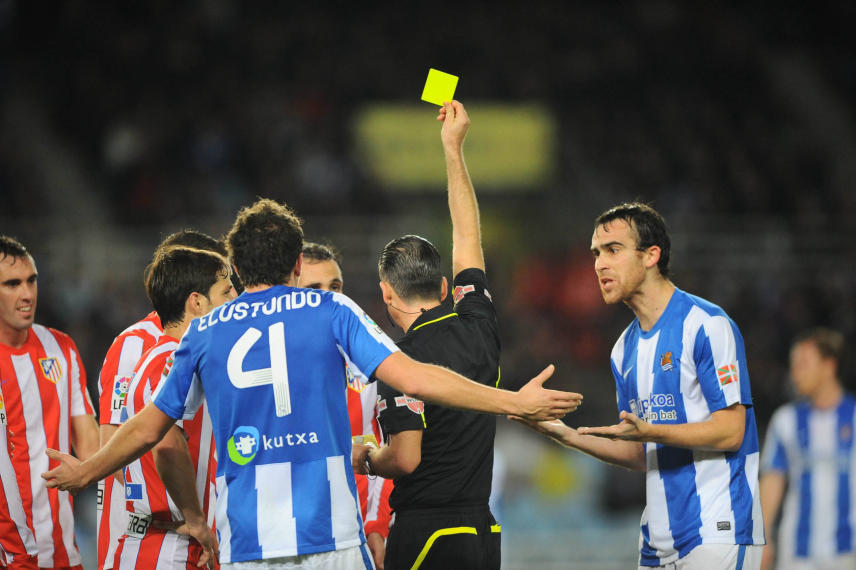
365 439
439 87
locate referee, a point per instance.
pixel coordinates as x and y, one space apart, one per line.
441 459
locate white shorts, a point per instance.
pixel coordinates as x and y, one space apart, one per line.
356 557
717 557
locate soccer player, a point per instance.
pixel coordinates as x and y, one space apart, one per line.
809 451
113 382
182 284
441 458
43 404
684 401
321 270
270 364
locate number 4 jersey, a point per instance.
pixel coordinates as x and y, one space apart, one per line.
271 367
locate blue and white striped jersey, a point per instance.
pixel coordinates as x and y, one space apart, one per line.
270 368
814 449
690 364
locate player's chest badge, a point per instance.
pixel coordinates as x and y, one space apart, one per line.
666 361
51 369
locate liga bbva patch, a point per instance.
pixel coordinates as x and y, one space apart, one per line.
461 290
120 391
51 368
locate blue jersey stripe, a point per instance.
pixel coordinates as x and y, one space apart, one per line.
741 497
804 518
741 555
241 511
313 515
844 530
648 556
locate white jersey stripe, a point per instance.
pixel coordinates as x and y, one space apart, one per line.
276 525
42 521
130 551
146 326
224 531
346 516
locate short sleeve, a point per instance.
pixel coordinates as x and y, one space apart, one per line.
179 394
81 404
398 412
471 296
115 377
361 339
718 368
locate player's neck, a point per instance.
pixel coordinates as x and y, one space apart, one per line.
13 338
828 397
177 330
650 301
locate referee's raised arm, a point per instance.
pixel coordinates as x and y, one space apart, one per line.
463 206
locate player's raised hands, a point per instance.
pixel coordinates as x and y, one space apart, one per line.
67 475
538 403
630 428
456 122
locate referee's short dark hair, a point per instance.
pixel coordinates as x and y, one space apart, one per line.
264 243
10 247
411 265
175 273
649 225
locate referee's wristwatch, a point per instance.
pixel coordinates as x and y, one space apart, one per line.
369 466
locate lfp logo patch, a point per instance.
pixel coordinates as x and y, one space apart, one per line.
243 445
120 391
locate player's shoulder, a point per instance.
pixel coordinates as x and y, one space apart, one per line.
62 338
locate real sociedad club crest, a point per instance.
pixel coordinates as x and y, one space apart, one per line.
666 361
51 369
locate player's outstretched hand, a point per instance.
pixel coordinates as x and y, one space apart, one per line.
630 428
67 475
456 122
555 429
537 403
199 531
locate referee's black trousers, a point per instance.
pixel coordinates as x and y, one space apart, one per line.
444 539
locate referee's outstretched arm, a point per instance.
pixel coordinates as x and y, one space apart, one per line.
463 206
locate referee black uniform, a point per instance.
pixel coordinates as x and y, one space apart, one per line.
442 518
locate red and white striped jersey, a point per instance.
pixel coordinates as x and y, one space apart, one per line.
113 382
42 386
373 491
146 498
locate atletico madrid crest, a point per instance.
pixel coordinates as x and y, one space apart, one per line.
51 369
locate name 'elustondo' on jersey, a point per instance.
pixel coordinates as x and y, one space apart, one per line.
241 310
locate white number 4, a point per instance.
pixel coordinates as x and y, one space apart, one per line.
277 374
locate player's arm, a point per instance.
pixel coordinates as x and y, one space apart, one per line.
463 206
627 454
401 456
772 486
447 388
84 436
175 468
133 439
722 432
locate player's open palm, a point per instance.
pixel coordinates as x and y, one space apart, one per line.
538 403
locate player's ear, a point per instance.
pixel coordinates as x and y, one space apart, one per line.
652 256
387 292
444 289
298 265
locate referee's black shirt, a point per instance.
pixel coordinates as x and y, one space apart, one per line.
457 446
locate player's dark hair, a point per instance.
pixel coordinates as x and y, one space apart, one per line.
829 342
317 252
10 247
649 225
175 273
411 265
264 243
193 238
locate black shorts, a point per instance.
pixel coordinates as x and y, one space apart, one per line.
444 539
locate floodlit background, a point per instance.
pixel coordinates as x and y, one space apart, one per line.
123 122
